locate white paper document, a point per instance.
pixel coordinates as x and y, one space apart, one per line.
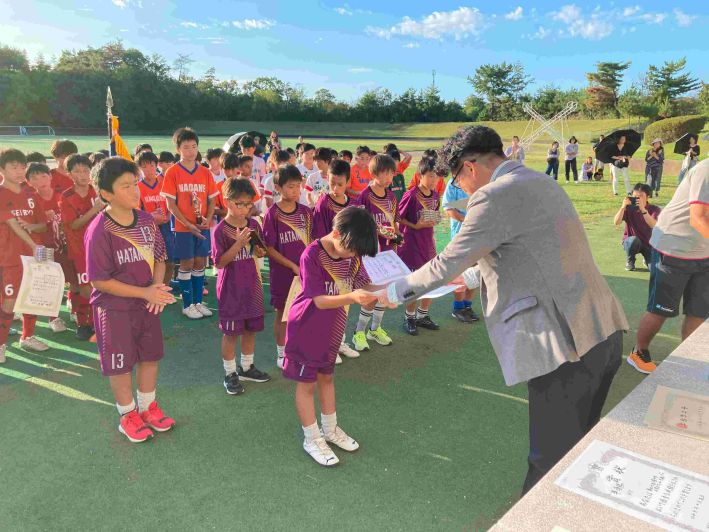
41 289
662 494
679 412
385 267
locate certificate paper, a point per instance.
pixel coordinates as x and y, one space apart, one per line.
656 492
679 412
385 267
42 288
295 289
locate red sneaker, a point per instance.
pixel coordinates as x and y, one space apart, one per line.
134 428
156 419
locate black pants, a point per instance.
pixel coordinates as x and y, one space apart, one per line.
571 165
566 403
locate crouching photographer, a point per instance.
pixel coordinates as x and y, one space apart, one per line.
639 217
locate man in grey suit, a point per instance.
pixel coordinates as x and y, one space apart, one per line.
551 317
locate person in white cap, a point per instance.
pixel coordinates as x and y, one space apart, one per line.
654 159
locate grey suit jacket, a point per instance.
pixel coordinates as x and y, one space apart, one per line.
543 298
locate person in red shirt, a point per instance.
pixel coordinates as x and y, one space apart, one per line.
78 206
40 179
61 150
191 197
359 173
21 227
152 202
440 187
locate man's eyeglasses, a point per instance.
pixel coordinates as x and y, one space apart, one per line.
462 165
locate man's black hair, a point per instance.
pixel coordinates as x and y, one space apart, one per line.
183 135
466 142
11 155
286 173
358 231
644 187
36 168
145 157
105 173
76 160
340 168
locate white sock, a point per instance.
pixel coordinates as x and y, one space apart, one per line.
377 316
420 313
123 410
364 317
247 360
329 422
281 350
312 432
229 366
144 400
410 314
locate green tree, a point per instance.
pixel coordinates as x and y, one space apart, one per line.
13 59
668 82
634 102
498 83
704 98
604 86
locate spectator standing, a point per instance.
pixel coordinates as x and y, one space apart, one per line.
515 152
654 159
571 151
691 158
553 160
597 165
621 162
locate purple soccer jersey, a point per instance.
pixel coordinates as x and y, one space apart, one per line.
239 286
313 335
384 210
419 244
288 233
126 254
324 214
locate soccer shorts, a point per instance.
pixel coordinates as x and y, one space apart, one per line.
672 279
126 337
238 327
188 246
298 372
10 279
169 237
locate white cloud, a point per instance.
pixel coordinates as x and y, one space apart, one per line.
119 3
359 70
458 24
191 25
344 10
253 24
412 45
592 27
654 18
683 19
516 14
541 33
630 11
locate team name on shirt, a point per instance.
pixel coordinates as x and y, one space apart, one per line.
156 198
243 254
287 237
128 255
191 187
20 213
381 219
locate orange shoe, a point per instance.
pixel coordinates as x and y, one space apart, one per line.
640 360
156 419
133 427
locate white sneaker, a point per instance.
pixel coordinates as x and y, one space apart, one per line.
320 451
2 354
346 350
73 318
33 344
57 325
192 313
338 360
203 310
279 361
341 439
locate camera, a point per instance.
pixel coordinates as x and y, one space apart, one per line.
633 202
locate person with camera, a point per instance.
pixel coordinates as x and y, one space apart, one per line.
639 217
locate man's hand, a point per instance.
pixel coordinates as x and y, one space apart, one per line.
388 298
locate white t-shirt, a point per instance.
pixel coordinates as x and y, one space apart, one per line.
269 189
218 178
316 185
259 168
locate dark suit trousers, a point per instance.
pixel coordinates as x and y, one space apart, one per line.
566 403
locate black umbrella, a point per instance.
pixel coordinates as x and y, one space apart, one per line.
682 144
607 148
232 143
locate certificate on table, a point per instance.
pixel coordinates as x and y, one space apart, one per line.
679 412
658 493
42 288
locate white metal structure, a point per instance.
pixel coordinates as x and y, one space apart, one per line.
26 131
538 125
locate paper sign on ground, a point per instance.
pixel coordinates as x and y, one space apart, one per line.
42 288
679 412
658 493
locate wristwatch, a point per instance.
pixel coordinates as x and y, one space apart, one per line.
643 213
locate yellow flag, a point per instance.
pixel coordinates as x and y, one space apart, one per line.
118 147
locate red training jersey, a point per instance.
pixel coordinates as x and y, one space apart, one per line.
190 190
73 206
54 237
23 205
61 181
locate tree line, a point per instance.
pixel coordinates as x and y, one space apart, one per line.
155 95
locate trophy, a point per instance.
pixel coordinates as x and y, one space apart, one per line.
197 206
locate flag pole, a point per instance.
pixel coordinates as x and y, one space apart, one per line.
109 115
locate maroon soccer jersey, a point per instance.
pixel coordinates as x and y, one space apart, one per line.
384 210
124 253
419 244
324 214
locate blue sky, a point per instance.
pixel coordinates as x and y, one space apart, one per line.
351 47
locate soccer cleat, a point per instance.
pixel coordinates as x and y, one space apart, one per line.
192 313
156 419
379 335
3 358
630 265
347 351
359 340
462 315
33 344
134 428
57 325
341 439
253 374
320 451
641 361
203 310
410 326
338 359
280 359
232 384
471 313
84 332
427 323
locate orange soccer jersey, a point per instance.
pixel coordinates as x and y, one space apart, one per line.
191 190
150 198
359 178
